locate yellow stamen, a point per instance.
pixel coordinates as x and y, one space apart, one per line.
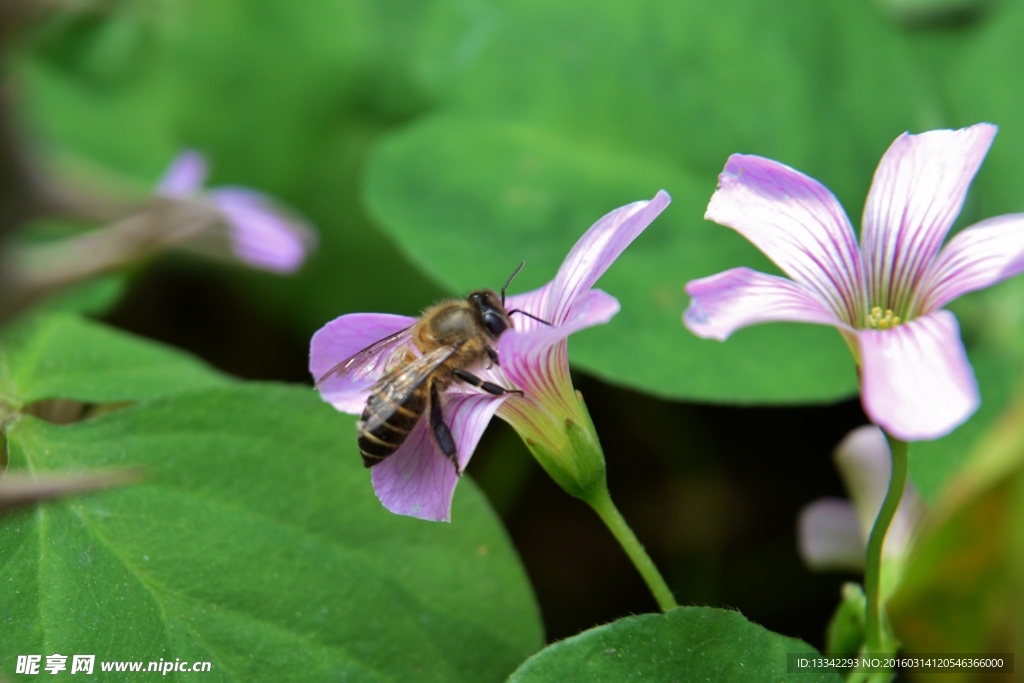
882 321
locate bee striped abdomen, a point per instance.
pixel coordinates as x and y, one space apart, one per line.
377 444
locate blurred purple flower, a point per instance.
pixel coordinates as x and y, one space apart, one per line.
885 297
832 533
261 233
418 479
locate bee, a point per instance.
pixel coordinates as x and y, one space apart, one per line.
451 338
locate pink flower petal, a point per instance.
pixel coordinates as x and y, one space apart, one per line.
978 257
829 537
535 303
419 480
596 251
342 338
261 234
797 223
723 303
526 356
916 194
916 382
833 533
185 175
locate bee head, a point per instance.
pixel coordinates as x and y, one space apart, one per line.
492 314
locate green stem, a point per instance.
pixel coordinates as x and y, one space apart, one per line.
875 638
602 503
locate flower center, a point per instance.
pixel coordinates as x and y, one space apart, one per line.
880 320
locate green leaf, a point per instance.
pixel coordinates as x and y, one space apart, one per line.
687 644
63 356
280 97
536 194
255 543
557 113
984 85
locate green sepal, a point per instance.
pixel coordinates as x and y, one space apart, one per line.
587 454
568 449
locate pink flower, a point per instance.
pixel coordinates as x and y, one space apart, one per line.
886 296
260 233
418 479
833 533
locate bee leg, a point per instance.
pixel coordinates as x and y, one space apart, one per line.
489 387
493 355
441 432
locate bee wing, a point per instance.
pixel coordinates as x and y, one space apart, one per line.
368 361
395 388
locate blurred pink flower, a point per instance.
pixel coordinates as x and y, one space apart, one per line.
832 533
418 479
886 296
260 233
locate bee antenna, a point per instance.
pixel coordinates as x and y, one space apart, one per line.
531 315
509 281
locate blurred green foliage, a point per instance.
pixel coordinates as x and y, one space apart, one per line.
282 99
963 590
571 109
547 117
434 144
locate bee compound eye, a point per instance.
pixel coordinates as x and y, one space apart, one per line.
494 322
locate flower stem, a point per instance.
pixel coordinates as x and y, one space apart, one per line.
875 630
602 503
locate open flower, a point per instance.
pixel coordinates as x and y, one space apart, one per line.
259 232
833 533
885 297
418 479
